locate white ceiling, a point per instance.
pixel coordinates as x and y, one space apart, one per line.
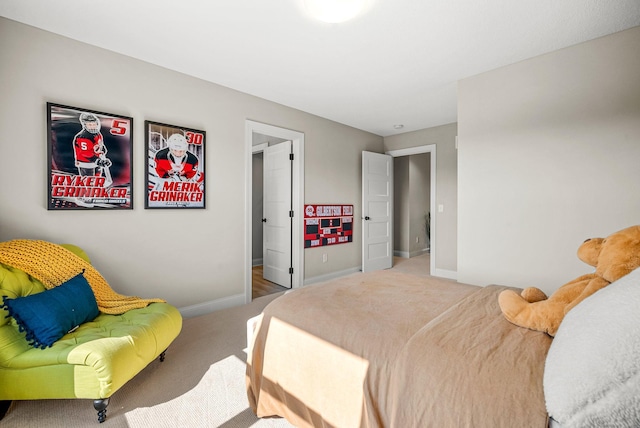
398 63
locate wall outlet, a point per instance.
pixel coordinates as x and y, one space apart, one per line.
324 258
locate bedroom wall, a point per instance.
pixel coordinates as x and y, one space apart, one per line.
185 256
548 156
445 222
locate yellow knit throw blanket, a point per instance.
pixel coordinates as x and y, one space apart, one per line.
53 264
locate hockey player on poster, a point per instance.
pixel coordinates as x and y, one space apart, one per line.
175 166
81 174
176 162
89 149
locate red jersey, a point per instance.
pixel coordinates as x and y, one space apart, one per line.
87 147
167 165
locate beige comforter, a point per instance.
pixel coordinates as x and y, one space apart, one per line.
407 354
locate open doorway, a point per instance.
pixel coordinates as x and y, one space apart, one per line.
425 202
259 136
412 193
411 210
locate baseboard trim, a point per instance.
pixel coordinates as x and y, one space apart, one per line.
408 255
329 276
419 252
256 262
403 254
212 306
443 273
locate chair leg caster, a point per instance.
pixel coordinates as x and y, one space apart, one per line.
101 407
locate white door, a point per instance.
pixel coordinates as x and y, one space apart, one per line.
276 241
377 211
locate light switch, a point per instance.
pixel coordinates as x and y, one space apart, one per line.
440 208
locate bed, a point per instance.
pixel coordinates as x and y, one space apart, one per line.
400 351
390 349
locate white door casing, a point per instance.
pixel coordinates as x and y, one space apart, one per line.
377 211
277 227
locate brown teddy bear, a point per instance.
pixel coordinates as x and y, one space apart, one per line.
613 257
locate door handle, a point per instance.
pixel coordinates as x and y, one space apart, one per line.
367 217
264 220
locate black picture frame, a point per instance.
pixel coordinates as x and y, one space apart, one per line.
175 167
90 159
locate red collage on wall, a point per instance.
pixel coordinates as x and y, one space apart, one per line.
327 225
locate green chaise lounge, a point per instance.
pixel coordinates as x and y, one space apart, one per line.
94 359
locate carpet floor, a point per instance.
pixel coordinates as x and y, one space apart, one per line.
201 383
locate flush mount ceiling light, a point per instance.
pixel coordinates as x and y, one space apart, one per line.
334 11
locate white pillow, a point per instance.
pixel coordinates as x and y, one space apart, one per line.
592 371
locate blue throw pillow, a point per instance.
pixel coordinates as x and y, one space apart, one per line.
49 315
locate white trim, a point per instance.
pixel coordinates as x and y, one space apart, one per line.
403 254
408 255
431 148
419 252
212 306
259 148
444 273
257 262
411 151
297 253
329 276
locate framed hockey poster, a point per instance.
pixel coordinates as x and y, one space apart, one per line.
175 166
327 225
90 159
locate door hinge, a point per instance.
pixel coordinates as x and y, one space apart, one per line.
291 214
291 271
290 156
